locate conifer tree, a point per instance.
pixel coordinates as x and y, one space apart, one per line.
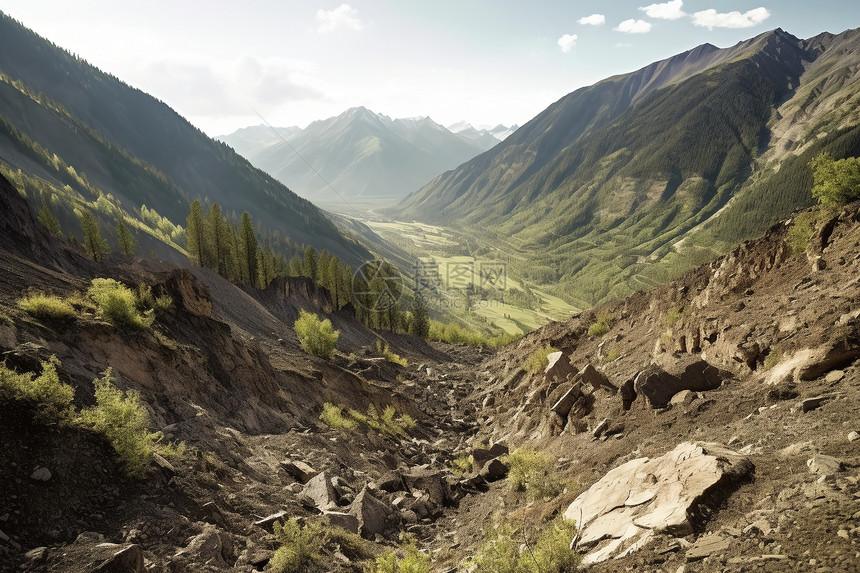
94 244
219 239
420 325
127 242
195 235
248 250
49 221
309 264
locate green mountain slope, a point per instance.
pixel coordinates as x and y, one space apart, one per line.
133 147
630 181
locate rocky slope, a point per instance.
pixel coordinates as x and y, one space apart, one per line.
742 373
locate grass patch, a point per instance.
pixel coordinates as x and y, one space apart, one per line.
383 350
386 421
462 465
504 551
612 355
602 325
456 334
773 358
532 472
333 416
117 305
317 337
537 361
46 306
673 315
123 420
51 397
5 318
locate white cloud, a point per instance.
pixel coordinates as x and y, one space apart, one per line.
344 16
670 10
633 27
711 19
593 20
567 42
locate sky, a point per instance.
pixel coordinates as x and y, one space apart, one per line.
224 64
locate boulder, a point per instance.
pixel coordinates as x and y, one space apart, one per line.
127 559
596 379
659 385
319 492
208 548
481 456
390 481
373 515
565 403
431 481
628 394
494 470
558 367
346 521
299 470
268 522
623 510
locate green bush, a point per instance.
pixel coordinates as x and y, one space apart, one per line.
333 416
531 472
123 420
602 326
462 465
117 304
299 546
147 301
384 351
406 559
835 182
52 398
317 337
47 306
455 334
548 552
537 361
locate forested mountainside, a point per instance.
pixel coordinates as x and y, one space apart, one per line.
625 183
80 136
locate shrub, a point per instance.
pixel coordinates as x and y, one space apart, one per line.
455 334
117 304
52 398
798 235
47 306
549 552
299 546
333 416
147 301
462 465
835 182
538 360
612 355
317 337
405 559
383 350
531 472
673 315
772 359
123 420
602 326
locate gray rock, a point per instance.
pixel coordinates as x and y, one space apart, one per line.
707 546
319 492
853 436
480 456
431 481
494 470
596 379
373 515
558 367
127 559
643 497
812 403
345 521
41 474
268 522
600 428
207 547
301 471
683 398
659 385
565 403
824 465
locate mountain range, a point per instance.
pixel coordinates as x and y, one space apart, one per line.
619 185
83 139
360 154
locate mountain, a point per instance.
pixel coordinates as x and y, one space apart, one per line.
497 133
82 139
248 140
361 154
619 185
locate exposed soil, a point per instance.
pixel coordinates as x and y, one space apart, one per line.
224 373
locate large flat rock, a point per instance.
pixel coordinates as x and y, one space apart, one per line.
631 503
